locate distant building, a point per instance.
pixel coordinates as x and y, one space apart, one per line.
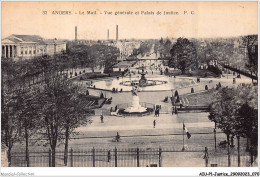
126 48
123 65
29 46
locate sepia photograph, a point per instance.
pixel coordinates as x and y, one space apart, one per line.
129 84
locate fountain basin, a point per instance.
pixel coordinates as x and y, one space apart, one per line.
148 83
123 112
136 108
163 84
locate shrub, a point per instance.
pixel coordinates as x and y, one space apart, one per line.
80 72
215 70
178 99
176 93
81 78
206 87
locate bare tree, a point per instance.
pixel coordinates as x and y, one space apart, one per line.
74 114
51 98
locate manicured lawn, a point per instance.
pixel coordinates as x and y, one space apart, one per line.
202 98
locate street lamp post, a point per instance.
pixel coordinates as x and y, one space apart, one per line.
183 148
215 138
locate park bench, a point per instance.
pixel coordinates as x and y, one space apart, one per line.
223 144
109 101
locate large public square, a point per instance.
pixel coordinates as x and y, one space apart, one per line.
167 133
129 84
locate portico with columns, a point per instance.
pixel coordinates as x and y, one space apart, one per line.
29 46
9 49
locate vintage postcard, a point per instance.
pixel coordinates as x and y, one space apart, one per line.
129 84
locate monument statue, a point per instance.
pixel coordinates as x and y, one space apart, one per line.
135 106
134 90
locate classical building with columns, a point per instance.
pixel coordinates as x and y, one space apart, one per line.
29 46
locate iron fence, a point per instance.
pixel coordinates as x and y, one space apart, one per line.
129 157
123 157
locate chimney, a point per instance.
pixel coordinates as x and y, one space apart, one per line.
117 32
108 34
76 35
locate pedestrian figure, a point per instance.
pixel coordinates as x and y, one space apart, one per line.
158 112
117 136
173 110
102 118
206 157
108 156
154 123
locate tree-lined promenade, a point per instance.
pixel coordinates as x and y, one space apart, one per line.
23 73
188 55
39 101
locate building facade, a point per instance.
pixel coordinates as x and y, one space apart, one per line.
29 46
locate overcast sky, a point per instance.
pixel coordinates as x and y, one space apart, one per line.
210 19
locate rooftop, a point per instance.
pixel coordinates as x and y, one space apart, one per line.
30 39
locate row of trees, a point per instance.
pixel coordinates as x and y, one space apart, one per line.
234 111
186 54
145 48
39 102
93 56
163 48
51 113
28 72
250 46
